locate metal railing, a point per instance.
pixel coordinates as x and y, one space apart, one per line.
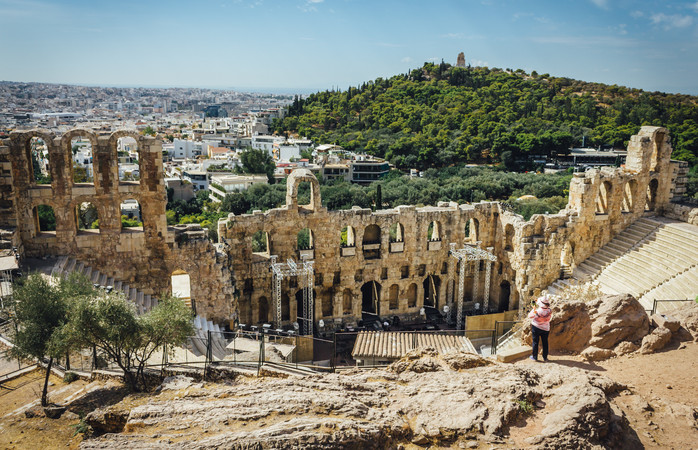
656 302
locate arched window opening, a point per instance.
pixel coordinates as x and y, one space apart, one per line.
305 192
397 232
305 239
370 298
434 231
603 198
651 201
504 294
131 214
81 151
285 307
393 295
45 218
260 243
431 291
181 286
347 302
41 166
371 242
509 238
263 310
87 217
327 305
412 296
628 195
472 231
348 238
127 157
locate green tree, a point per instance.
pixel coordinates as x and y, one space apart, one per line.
256 161
235 202
148 131
41 312
110 323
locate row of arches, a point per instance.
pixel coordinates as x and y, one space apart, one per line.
86 216
630 191
372 295
77 159
371 241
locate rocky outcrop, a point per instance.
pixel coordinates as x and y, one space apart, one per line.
424 399
687 316
596 328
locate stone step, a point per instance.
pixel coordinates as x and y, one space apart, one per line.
513 354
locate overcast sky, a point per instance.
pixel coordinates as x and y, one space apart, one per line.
311 45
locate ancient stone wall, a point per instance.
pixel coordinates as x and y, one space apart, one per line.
417 269
143 257
374 268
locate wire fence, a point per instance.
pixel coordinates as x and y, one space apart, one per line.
671 305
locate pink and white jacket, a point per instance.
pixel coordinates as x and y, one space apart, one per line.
540 317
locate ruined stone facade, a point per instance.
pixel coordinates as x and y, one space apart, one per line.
414 268
145 256
389 262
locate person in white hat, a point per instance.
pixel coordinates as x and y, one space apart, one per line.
540 326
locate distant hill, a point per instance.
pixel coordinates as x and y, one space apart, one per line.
441 115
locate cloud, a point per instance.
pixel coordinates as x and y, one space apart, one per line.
694 7
309 5
671 21
388 44
478 63
603 4
637 14
586 41
453 35
406 59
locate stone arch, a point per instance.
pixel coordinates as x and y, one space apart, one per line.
371 242
285 307
261 243
304 239
657 144
434 231
88 216
412 296
293 181
131 214
347 302
263 310
397 232
24 141
472 230
370 298
603 197
113 146
629 188
651 199
393 297
431 284
509 233
180 283
504 296
67 147
44 218
348 237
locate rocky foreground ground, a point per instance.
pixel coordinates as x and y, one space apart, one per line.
424 399
637 399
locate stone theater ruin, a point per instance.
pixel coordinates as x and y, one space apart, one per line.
301 262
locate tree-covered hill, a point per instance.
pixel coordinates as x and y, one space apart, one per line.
441 115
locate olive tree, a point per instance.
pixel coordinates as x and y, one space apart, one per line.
110 323
41 310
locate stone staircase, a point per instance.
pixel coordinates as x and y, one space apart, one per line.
654 258
66 265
